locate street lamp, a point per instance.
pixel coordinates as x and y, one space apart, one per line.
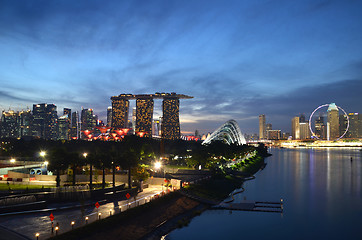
37 236
85 155
158 165
72 223
42 154
12 160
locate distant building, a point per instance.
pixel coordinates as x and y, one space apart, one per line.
64 127
170 120
304 130
120 106
355 125
109 116
262 127
295 128
88 121
26 123
74 132
274 134
332 122
320 127
144 115
156 128
45 119
51 121
10 124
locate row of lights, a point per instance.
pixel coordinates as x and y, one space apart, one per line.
72 223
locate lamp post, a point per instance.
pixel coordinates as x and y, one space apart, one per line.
37 236
158 165
90 172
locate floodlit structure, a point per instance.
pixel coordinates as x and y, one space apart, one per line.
229 132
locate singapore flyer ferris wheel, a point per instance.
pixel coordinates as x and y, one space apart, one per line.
330 106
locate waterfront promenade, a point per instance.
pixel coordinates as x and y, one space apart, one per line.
25 226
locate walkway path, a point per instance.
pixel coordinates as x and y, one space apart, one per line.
39 222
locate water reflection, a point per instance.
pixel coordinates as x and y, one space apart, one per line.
322 193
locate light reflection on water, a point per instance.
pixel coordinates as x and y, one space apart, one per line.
322 196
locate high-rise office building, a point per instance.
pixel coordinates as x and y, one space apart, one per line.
304 130
26 123
343 123
274 134
67 111
88 121
120 106
320 128
9 124
51 120
295 128
74 132
355 125
144 115
170 120
109 116
64 127
45 121
262 127
332 122
39 115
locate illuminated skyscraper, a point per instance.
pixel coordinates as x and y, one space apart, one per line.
120 106
274 134
332 122
144 115
88 120
74 132
170 120
355 125
51 121
304 130
320 128
45 119
109 116
9 124
25 123
295 128
39 120
64 127
262 128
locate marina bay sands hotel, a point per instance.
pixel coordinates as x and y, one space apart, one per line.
170 126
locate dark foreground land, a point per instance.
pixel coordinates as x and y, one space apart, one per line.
141 222
135 223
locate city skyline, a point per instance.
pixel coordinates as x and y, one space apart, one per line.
238 60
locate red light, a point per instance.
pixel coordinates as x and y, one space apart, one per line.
125 130
119 132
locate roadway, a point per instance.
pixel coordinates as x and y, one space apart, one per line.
25 226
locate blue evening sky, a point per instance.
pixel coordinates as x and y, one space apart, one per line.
239 59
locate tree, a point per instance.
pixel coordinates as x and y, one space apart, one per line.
58 161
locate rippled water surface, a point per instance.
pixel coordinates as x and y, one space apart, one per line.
322 193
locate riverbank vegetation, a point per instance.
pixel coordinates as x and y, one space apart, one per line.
217 188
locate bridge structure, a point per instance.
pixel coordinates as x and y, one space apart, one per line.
229 133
